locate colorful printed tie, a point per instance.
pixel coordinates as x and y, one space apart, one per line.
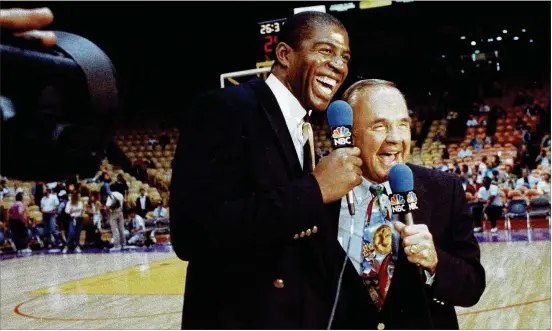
379 246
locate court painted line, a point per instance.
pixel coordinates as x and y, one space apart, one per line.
18 311
504 307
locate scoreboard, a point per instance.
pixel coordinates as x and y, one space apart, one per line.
268 35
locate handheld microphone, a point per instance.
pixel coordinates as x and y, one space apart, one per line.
340 120
403 200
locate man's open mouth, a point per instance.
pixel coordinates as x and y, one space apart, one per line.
389 159
325 85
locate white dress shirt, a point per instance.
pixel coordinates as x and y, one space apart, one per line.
543 187
362 197
160 212
293 113
143 202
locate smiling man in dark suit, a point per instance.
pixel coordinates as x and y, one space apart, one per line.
247 210
382 286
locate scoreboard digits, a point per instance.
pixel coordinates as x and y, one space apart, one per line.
268 30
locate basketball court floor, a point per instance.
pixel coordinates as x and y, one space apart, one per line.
143 288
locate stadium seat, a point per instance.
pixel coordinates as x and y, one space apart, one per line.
517 209
539 207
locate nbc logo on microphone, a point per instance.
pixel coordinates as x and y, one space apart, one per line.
342 136
412 200
341 132
398 204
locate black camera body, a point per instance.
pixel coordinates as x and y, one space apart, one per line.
58 107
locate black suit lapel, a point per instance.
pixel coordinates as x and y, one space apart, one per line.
423 213
270 106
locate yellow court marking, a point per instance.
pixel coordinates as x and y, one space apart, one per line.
159 278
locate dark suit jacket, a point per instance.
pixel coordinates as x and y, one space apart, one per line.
239 197
459 277
139 206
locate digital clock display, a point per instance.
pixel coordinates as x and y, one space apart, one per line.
268 30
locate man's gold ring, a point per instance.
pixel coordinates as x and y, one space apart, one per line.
414 249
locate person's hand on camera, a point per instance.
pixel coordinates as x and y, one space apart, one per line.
338 173
27 22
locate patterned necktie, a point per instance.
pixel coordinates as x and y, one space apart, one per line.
379 246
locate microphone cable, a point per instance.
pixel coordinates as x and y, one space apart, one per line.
338 290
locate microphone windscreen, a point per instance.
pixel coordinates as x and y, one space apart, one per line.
339 113
401 178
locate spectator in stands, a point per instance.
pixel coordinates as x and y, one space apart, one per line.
4 190
491 204
543 159
62 217
504 175
60 186
38 192
482 169
152 140
484 109
475 143
99 178
466 171
18 223
105 190
488 140
520 123
74 209
143 203
473 185
160 211
472 122
526 180
491 171
464 151
138 227
70 189
466 184
48 207
523 161
543 187
120 185
17 189
114 208
93 208
495 161
526 135
545 143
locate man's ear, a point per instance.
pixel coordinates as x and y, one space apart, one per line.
283 54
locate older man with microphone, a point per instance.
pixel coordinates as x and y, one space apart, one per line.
421 259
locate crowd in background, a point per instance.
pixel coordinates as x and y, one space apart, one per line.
52 215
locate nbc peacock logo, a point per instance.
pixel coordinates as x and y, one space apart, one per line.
397 199
411 197
341 132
